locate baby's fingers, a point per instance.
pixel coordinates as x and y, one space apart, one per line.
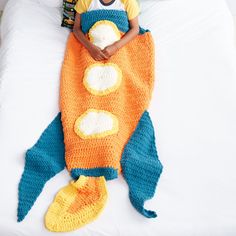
104 55
99 57
105 52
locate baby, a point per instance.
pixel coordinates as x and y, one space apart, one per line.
132 9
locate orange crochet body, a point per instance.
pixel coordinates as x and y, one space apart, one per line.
127 103
103 125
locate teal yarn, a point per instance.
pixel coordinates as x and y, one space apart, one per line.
43 161
108 173
118 17
141 166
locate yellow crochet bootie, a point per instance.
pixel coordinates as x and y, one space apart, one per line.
77 204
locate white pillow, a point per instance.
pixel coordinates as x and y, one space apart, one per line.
51 3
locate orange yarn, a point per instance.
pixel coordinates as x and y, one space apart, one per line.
136 61
77 204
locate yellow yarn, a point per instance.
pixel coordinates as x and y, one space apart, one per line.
77 204
104 22
108 90
79 132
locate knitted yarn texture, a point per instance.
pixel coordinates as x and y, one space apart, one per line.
103 128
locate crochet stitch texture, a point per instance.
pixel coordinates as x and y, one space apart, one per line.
98 134
40 165
127 103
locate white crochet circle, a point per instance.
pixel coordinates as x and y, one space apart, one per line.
104 33
102 79
96 124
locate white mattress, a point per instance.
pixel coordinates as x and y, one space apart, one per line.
193 110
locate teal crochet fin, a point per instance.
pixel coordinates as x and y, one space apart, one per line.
141 166
43 161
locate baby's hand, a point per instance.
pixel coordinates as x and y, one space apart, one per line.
110 50
97 54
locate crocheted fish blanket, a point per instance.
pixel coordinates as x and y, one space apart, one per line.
103 129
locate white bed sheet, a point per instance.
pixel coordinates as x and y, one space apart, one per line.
193 110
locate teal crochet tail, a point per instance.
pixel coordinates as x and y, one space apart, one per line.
141 166
43 161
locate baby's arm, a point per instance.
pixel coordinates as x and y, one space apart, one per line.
94 51
130 35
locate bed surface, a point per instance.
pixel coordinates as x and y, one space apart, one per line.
193 110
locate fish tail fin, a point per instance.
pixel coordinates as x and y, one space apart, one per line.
43 161
141 166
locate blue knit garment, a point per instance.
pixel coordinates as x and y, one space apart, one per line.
43 161
118 17
109 173
141 166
